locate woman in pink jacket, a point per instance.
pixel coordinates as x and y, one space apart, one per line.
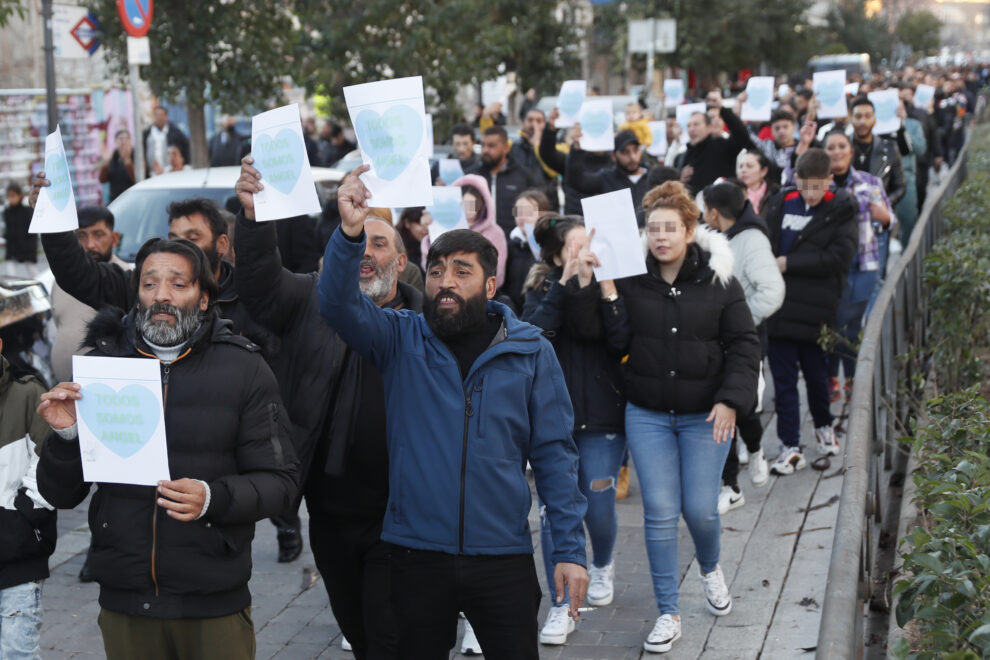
480 212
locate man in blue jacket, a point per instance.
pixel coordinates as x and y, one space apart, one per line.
487 394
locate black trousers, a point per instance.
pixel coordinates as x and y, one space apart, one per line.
500 595
751 431
354 563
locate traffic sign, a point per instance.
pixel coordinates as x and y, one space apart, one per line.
658 35
135 16
86 33
75 32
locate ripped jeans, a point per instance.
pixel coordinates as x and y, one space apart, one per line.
20 621
600 455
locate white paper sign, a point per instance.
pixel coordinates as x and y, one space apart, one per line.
885 104
852 89
447 211
759 99
673 92
450 170
830 88
138 50
389 117
569 101
922 95
121 420
55 209
597 129
279 153
783 91
616 242
658 147
684 113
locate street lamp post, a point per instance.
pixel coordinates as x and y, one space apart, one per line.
46 14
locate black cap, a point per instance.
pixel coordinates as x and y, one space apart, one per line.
624 138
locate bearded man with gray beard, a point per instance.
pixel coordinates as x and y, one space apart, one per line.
173 561
345 456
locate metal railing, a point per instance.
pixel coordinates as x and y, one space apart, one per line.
897 324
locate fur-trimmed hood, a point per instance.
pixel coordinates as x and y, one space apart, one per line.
716 248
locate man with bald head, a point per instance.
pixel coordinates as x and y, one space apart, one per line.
337 403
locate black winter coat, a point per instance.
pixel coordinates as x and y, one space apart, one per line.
21 246
508 183
591 368
517 264
226 426
557 160
817 265
691 344
715 156
603 181
524 153
319 375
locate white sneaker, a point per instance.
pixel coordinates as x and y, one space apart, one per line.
601 585
790 460
759 471
741 452
716 592
729 499
557 627
470 645
344 644
827 443
666 631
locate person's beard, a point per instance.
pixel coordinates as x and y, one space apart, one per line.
448 325
490 161
628 169
213 257
100 256
381 284
160 333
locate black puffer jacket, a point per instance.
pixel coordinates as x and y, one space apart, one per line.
817 265
226 426
591 368
320 377
605 180
691 344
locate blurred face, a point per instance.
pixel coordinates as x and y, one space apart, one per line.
175 158
907 96
493 150
863 120
525 212
717 125
748 170
572 242
196 228
161 117
534 123
13 198
629 158
123 143
463 146
634 112
456 294
673 129
381 263
840 154
800 103
783 132
697 129
169 300
668 236
813 190
98 240
472 205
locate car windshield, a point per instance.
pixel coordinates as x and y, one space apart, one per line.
140 214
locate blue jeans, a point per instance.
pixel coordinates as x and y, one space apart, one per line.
20 622
600 455
679 466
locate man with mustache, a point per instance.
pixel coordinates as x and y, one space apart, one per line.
174 561
97 283
485 391
345 460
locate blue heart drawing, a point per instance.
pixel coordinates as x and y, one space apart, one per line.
447 213
390 139
570 102
596 123
57 171
759 96
280 159
450 170
886 108
830 92
122 421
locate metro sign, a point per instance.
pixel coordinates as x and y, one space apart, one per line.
86 33
135 16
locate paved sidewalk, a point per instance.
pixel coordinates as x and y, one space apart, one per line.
775 554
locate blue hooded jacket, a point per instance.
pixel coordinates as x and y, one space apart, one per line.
458 448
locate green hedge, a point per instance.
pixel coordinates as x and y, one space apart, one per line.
947 555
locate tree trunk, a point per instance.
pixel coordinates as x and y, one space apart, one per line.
197 135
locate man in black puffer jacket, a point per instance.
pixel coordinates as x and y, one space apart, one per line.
174 562
814 235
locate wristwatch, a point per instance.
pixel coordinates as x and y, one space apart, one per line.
610 298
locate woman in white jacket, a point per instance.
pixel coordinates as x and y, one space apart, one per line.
728 210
